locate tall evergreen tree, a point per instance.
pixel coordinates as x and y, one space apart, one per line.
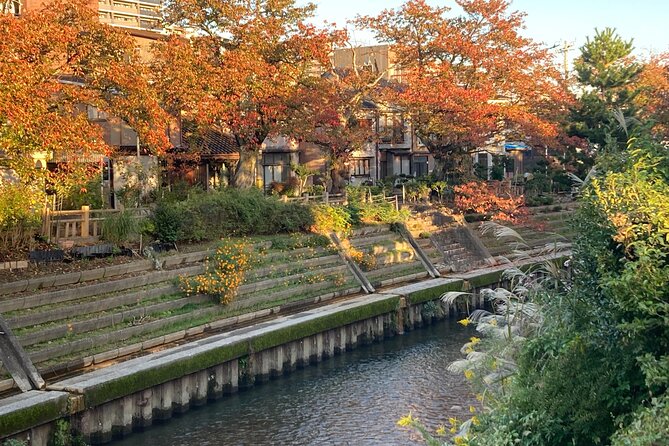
608 76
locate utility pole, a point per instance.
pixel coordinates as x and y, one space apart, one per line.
566 47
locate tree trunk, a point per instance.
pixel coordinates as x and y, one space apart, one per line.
454 167
338 180
245 173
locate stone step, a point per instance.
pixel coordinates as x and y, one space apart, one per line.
392 269
389 237
101 303
107 287
369 230
98 321
285 268
253 287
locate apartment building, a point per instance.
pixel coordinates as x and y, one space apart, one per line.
134 15
10 7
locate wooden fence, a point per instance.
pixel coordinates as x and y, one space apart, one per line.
341 199
80 225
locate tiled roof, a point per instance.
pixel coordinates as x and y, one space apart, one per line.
211 143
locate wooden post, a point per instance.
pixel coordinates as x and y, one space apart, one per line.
85 221
46 219
326 197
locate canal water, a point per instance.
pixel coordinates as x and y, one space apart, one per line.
352 399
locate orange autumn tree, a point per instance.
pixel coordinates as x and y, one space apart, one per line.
469 78
55 62
653 99
336 111
242 70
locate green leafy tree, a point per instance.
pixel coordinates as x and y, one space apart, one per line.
608 75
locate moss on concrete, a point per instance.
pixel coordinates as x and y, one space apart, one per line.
145 379
484 280
190 364
321 324
434 293
31 416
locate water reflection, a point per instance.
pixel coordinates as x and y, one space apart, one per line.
352 399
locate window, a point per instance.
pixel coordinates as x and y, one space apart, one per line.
123 18
361 167
404 165
149 24
420 166
276 168
483 159
94 114
391 129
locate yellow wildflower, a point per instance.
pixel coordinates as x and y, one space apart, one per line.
464 322
469 374
460 441
474 340
472 409
441 430
406 420
475 420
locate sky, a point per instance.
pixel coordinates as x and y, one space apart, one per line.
549 21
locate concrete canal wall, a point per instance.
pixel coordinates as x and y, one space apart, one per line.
112 402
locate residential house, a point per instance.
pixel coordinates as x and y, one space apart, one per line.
132 162
396 150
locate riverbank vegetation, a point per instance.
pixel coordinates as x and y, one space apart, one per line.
581 355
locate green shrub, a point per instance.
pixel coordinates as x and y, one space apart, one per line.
228 212
539 200
416 191
20 217
329 219
316 189
84 194
14 442
120 228
383 212
356 194
168 222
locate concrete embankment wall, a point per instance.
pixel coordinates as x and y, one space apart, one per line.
113 401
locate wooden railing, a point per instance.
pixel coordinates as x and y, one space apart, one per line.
342 199
81 224
324 198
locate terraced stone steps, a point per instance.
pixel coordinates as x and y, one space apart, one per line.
294 274
98 321
71 309
12 303
103 273
394 259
